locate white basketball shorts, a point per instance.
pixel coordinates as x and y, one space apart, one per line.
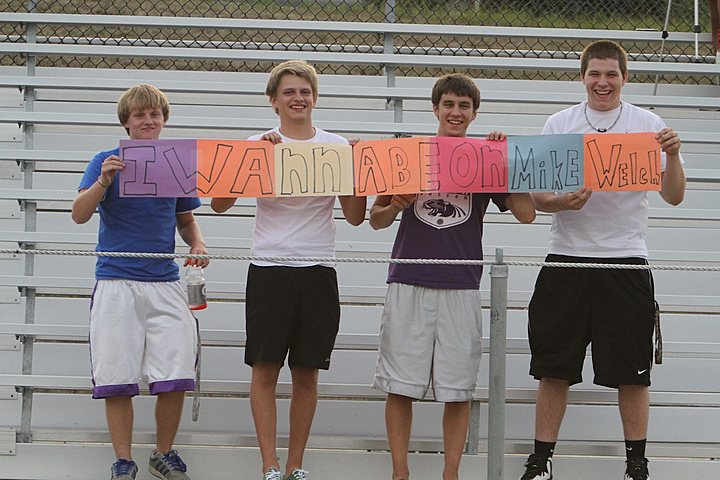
141 330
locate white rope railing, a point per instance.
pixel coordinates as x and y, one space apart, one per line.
498 270
407 261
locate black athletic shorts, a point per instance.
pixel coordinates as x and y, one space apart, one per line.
291 309
614 310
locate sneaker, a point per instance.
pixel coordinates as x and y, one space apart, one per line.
123 470
167 467
538 467
637 469
272 474
298 474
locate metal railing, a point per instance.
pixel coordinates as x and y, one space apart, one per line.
498 334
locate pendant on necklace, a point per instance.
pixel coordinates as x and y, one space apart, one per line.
601 130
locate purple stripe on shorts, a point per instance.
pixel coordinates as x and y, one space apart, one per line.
92 299
180 385
126 390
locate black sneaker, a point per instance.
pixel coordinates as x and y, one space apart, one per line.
538 467
637 469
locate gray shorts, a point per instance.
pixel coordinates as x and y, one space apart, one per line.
430 334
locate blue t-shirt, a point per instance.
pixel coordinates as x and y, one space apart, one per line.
135 225
442 226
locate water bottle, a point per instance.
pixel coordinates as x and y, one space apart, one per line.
195 281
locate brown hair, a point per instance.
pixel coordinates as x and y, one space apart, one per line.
459 84
603 49
139 98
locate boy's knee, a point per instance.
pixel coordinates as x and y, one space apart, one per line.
302 376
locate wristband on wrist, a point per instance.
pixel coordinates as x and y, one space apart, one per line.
101 183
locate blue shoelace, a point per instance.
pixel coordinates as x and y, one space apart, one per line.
122 467
176 463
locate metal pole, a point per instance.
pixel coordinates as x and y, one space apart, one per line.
662 43
697 29
498 347
24 435
389 48
473 440
388 43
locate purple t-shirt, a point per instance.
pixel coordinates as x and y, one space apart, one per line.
442 226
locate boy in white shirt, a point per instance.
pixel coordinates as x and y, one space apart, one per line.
566 313
304 325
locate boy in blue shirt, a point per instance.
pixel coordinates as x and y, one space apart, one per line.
140 325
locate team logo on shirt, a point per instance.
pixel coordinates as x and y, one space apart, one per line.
443 210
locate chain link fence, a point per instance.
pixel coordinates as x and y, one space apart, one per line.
609 14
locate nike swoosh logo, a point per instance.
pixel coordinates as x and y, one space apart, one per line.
640 372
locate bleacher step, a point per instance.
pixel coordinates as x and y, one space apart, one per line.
55 461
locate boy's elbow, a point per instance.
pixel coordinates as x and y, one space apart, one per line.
221 205
355 222
677 200
528 217
354 209
525 216
79 218
674 198
375 224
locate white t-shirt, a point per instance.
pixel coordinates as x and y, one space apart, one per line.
611 224
295 226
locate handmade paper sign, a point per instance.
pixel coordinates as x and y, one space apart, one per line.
235 168
313 169
391 166
464 165
430 164
625 161
158 168
245 168
545 163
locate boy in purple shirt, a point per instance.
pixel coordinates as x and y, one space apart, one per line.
431 327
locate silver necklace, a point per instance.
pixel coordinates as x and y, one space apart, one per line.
601 130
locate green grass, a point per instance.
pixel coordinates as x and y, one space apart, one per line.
614 14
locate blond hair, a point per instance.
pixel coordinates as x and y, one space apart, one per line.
139 98
299 68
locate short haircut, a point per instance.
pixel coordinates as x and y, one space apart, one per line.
603 49
298 68
459 84
139 98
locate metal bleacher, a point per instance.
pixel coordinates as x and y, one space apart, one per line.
53 119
